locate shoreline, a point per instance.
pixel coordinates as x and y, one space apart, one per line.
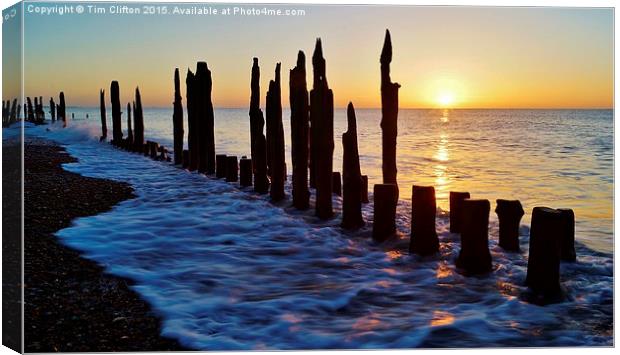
70 303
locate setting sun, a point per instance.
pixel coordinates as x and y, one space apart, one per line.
445 99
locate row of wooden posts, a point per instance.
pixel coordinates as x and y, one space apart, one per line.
312 146
33 113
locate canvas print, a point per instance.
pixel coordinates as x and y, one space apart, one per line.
208 177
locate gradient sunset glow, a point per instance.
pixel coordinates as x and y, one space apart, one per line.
458 57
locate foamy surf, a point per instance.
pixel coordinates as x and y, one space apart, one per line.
226 269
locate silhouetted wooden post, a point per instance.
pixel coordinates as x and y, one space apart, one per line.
146 148
30 110
192 125
177 119
336 183
299 132
456 203
245 172
231 168
322 132
15 112
351 175
509 213
129 130
117 130
474 256
154 149
185 159
424 239
204 119
37 114
275 131
41 108
543 264
389 113
385 200
364 189
567 240
220 166
258 142
52 109
138 121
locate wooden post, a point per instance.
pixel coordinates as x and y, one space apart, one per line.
30 110
146 148
336 183
474 256
567 241
258 142
129 145
543 264
154 149
424 239
299 132
385 200
104 124
52 109
220 164
322 132
15 111
117 130
63 109
509 213
205 119
275 134
389 113
351 175
245 172
138 120
456 203
185 159
177 119
364 188
231 168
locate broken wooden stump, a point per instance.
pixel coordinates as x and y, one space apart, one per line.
203 85
104 125
474 257
193 136
30 110
322 134
146 148
185 159
177 120
163 153
384 219
364 188
275 138
336 183
456 207
351 175
543 265
509 213
567 241
138 120
389 113
299 132
154 149
245 172
424 239
258 142
231 168
129 142
220 166
117 131
62 108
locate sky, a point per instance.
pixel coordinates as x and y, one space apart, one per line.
460 57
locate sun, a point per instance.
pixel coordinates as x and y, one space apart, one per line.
445 99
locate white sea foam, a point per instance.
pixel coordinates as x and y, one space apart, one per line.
226 269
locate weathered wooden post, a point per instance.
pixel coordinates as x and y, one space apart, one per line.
299 132
509 213
204 118
117 130
543 264
567 241
385 200
154 149
456 208
185 158
336 183
192 126
138 121
322 132
15 112
389 113
231 168
52 109
163 153
424 239
275 131
63 109
245 172
177 120
129 145
474 256
351 175
146 148
364 188
258 142
30 110
220 166
37 114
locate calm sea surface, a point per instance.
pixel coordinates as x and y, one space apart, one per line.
555 158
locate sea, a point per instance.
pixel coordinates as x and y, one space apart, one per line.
227 269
